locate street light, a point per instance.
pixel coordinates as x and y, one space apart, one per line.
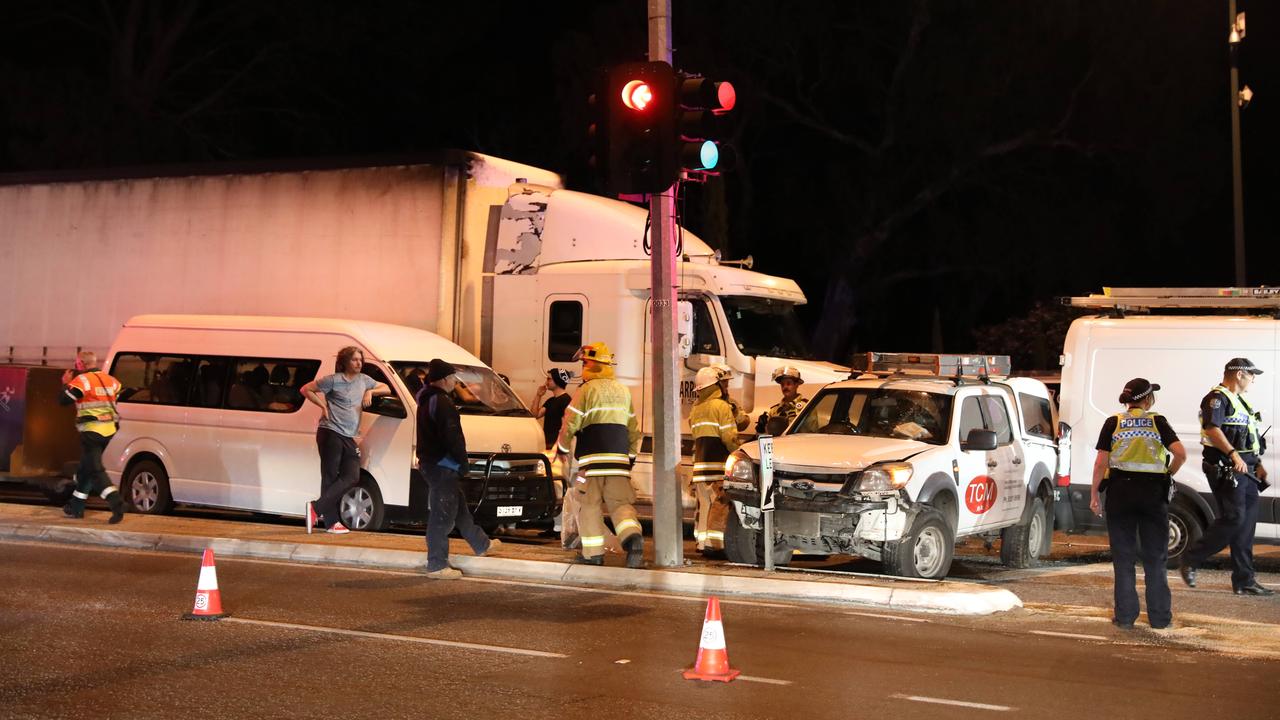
1239 99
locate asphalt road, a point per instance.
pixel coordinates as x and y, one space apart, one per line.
96 633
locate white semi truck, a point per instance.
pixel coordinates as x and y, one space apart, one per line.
494 255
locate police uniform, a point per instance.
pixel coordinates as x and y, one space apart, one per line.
1236 493
1137 504
94 393
715 435
602 421
780 414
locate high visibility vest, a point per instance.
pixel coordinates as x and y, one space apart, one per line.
602 420
1136 445
96 406
715 435
1241 416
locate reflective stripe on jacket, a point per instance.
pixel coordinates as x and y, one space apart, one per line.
1136 445
1241 415
715 434
601 419
96 401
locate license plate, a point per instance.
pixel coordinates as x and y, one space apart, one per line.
510 510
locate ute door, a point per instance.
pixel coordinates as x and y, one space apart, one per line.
1010 469
973 469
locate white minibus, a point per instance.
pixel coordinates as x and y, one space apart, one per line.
211 415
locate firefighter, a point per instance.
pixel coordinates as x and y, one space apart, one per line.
94 393
740 417
603 422
715 435
776 419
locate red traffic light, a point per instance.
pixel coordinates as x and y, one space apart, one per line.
637 95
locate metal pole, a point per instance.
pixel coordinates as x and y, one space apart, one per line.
1237 181
668 515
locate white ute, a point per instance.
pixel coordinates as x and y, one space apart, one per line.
897 464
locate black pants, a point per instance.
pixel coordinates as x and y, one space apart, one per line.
91 476
1138 511
339 472
1234 526
448 510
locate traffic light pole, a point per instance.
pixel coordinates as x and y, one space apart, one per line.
668 513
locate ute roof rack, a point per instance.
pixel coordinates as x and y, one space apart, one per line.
1119 299
941 365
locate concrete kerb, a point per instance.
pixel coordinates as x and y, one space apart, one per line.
954 598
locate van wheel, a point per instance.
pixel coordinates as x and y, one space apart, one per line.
746 546
361 507
1022 545
925 551
146 487
1185 529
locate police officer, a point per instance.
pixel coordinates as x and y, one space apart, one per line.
1233 465
1138 452
94 393
776 419
715 435
602 420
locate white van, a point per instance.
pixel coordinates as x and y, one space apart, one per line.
1185 355
211 415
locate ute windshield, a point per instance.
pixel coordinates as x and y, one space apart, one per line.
877 412
764 326
478 391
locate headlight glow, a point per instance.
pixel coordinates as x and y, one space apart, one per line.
739 468
884 478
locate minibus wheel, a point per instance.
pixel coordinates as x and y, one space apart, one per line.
361 507
146 487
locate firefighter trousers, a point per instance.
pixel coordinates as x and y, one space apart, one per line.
616 494
712 515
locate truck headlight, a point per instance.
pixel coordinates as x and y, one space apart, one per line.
882 478
739 468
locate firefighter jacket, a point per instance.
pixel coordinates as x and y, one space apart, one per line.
715 434
776 419
601 419
1136 445
94 394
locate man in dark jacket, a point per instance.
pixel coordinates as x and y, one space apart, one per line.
442 457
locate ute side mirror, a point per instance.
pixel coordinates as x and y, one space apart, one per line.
980 439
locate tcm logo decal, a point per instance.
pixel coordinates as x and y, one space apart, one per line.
980 495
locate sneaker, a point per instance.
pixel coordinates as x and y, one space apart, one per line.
448 573
1188 574
494 544
338 529
310 512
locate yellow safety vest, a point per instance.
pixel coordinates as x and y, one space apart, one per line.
1136 445
1241 414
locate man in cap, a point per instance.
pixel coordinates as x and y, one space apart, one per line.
1138 452
442 457
1232 462
608 437
776 419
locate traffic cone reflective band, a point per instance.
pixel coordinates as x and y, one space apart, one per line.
208 600
713 658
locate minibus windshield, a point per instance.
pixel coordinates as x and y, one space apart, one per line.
477 390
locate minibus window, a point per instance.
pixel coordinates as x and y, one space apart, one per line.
211 378
269 384
388 405
152 378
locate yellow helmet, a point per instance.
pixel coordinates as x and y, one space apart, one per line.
706 377
595 352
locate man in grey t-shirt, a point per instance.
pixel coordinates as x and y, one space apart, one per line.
342 397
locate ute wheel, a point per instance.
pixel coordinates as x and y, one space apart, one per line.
361 507
1185 529
1022 545
925 551
746 546
146 487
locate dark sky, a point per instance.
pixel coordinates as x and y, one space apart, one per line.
924 169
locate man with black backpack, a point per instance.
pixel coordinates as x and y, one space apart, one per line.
442 458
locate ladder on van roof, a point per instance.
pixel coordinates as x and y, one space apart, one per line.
1225 298
944 365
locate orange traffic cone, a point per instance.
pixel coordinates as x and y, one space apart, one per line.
208 599
713 658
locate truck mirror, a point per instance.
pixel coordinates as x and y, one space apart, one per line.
1064 431
684 327
980 439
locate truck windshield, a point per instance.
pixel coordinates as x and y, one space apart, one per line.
764 326
478 390
877 412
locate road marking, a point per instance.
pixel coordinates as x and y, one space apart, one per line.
401 638
958 703
1069 635
1049 572
887 617
770 681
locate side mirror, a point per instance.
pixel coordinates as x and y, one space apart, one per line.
980 439
1064 432
387 406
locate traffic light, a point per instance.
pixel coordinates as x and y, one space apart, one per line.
636 122
703 107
